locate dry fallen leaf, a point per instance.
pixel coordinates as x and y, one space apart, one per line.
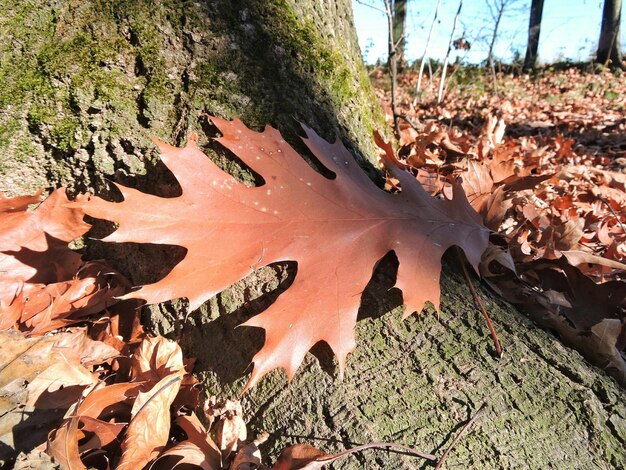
63 446
336 230
34 244
41 378
149 428
156 358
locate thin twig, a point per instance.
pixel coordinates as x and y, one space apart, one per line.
381 445
604 201
393 70
447 58
459 435
422 62
480 305
361 2
410 122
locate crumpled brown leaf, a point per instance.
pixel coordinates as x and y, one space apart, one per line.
149 428
40 380
34 244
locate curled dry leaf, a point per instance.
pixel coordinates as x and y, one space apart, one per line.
110 401
43 284
34 244
302 457
249 455
156 358
230 427
306 457
149 428
336 230
99 434
51 366
199 437
40 379
40 308
63 446
185 452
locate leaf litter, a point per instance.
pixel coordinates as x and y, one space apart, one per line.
544 164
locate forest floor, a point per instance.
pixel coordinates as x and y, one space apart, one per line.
564 129
542 158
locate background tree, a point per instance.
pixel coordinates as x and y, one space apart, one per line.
84 85
609 48
418 87
496 9
534 29
399 32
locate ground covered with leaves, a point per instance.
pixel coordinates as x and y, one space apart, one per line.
528 182
542 158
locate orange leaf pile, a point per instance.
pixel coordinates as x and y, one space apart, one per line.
551 184
44 285
336 229
125 420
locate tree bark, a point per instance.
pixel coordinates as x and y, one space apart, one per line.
84 85
609 48
534 29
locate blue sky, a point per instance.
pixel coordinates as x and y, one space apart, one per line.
569 30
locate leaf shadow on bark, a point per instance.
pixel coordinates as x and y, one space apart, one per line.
211 332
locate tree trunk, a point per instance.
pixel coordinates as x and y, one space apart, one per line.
84 85
609 48
399 32
534 29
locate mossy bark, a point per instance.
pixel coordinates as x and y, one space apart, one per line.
85 83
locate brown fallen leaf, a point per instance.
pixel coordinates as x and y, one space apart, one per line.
249 456
103 433
200 437
51 364
40 380
110 401
34 244
183 454
18 203
63 446
149 428
306 457
576 258
590 302
335 229
230 426
155 358
302 456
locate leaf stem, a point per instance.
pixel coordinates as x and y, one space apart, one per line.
480 305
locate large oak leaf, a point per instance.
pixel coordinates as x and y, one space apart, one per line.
336 230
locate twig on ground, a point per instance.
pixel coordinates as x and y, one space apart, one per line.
459 435
410 122
383 445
